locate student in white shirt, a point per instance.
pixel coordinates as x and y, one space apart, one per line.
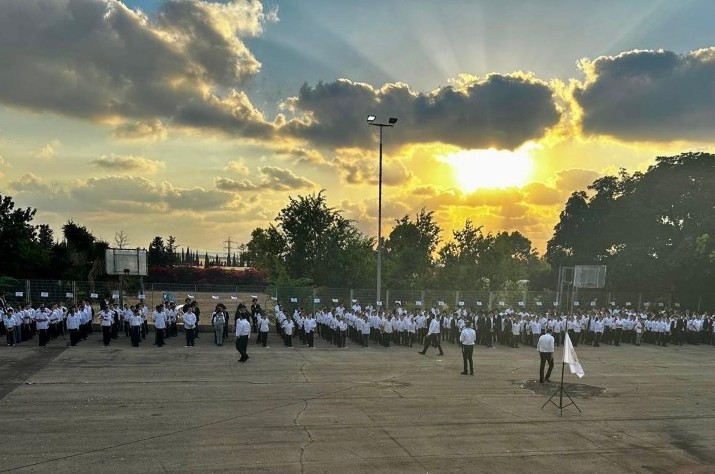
190 327
467 338
433 334
545 346
243 331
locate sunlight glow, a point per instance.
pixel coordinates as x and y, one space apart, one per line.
492 168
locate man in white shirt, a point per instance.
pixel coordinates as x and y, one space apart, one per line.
243 331
159 318
190 327
433 334
467 338
309 328
545 346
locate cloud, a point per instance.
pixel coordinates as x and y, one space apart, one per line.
302 155
48 150
542 195
128 163
99 60
237 167
228 184
649 95
29 182
575 179
152 130
357 167
501 111
284 179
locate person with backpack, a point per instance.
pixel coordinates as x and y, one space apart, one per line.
218 321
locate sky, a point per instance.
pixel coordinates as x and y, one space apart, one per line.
200 119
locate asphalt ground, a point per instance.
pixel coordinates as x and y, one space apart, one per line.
178 409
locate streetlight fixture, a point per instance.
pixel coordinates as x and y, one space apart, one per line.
371 120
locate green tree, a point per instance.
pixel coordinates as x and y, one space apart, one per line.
409 251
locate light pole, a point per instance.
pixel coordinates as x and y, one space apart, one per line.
390 123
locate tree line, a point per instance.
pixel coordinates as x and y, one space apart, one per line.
652 229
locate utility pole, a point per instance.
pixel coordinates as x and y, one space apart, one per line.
227 248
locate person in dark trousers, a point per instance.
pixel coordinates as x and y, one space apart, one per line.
243 331
255 311
433 336
467 339
545 346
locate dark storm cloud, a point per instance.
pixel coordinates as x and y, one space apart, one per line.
650 95
97 59
501 111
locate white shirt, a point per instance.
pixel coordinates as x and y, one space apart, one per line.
243 328
189 320
434 327
160 319
546 343
468 336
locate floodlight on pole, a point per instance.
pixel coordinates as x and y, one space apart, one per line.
371 120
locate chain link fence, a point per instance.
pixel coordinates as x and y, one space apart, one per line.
69 292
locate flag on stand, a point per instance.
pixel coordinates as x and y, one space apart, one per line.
571 358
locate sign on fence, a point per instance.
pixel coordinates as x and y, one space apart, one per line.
44 294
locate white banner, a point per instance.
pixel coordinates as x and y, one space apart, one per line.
141 296
556 303
94 295
316 300
19 294
418 303
461 303
501 303
294 300
69 295
379 303
214 297
115 296
677 305
44 294
576 303
593 303
479 303
254 296
571 358
521 303
538 303
441 303
335 300
628 303
234 298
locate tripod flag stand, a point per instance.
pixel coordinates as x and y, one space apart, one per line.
571 359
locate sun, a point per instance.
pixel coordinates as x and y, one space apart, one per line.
491 168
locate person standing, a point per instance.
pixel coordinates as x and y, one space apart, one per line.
243 330
309 326
136 322
288 327
467 338
218 320
190 327
9 323
433 334
73 322
545 346
105 320
159 319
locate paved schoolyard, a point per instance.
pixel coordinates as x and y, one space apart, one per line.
175 409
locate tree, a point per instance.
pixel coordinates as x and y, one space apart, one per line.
409 251
121 239
84 252
651 229
312 244
17 237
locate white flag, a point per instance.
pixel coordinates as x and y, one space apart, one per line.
214 297
571 358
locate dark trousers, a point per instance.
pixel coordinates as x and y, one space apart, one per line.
190 337
546 357
597 339
43 336
241 345
74 337
106 334
10 335
432 338
159 336
288 338
467 352
308 336
136 335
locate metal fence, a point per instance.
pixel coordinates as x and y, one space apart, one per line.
65 291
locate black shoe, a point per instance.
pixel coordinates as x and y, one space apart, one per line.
463 373
420 352
541 381
547 379
441 353
471 373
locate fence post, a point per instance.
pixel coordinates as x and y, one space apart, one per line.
28 288
422 298
74 292
386 303
352 297
456 299
491 298
640 299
